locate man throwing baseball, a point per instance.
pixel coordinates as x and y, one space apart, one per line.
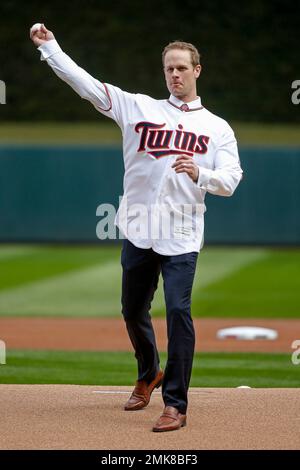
175 151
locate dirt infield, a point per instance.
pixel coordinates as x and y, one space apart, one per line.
85 417
101 334
75 417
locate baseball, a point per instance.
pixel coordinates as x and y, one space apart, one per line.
35 27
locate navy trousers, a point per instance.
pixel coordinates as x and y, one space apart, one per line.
141 270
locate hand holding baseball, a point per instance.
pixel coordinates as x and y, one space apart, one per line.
39 34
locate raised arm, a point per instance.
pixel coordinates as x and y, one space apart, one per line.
107 99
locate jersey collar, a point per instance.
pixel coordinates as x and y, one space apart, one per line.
194 105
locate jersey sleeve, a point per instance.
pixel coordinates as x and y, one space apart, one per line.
224 178
107 99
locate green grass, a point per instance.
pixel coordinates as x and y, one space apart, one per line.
267 288
113 368
97 133
21 265
86 281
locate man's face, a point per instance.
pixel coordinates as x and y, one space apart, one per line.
180 74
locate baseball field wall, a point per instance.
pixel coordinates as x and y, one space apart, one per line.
51 194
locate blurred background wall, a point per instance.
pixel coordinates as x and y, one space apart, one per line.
52 193
250 54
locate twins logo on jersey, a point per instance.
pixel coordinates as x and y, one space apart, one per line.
160 142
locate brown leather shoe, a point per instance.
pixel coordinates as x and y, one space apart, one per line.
141 394
170 420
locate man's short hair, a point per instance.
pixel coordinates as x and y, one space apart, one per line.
185 46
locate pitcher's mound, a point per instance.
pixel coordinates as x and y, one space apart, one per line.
85 417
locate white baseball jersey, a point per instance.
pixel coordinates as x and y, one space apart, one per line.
160 209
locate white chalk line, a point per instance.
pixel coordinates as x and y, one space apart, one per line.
124 392
112 392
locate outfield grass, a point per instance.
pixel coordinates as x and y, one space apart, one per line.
107 368
97 133
86 281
